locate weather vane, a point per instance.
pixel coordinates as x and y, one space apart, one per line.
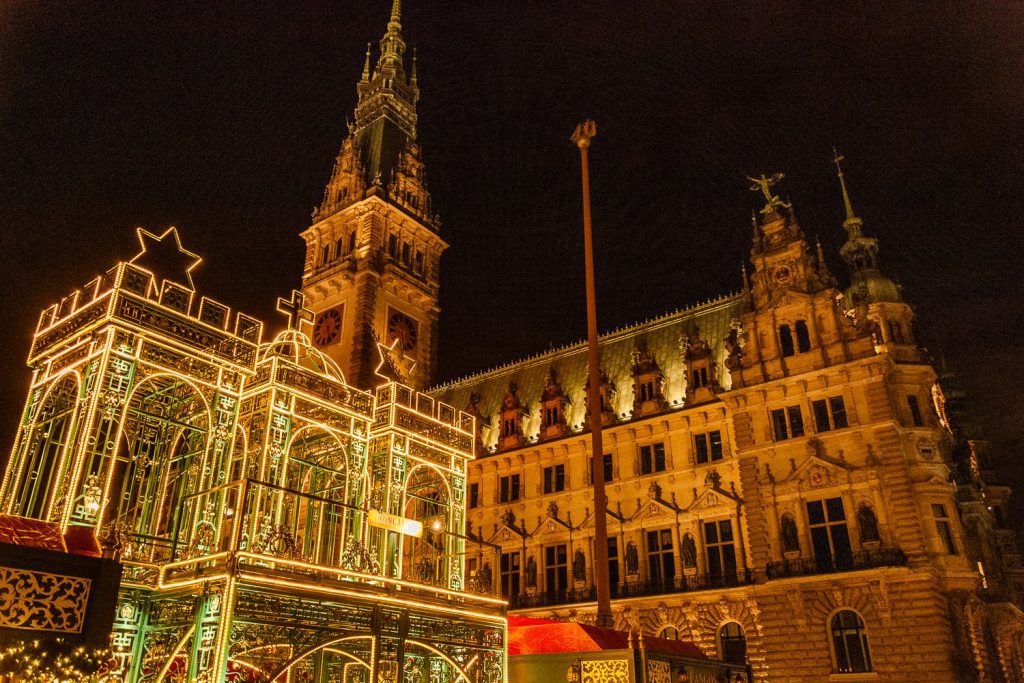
764 185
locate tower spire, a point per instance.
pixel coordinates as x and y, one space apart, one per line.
836 159
396 14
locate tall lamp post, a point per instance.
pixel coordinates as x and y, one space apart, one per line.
582 136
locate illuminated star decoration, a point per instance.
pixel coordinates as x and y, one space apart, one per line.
165 257
394 365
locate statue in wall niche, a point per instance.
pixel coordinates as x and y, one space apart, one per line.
579 566
790 538
689 552
485 575
868 524
632 559
734 346
531 572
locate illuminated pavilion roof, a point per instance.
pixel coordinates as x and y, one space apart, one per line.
298 349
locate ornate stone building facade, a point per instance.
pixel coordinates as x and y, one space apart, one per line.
784 484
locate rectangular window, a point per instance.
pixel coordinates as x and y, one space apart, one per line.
944 526
393 246
660 556
779 424
708 446
608 472
474 495
419 262
554 479
821 421
829 414
796 421
556 575
406 254
652 458
838 407
508 488
915 410
721 551
830 536
510 574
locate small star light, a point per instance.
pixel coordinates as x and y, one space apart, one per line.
165 257
394 365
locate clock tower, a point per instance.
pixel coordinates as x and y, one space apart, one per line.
373 252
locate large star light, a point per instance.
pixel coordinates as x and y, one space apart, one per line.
164 256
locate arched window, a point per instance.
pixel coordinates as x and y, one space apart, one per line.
850 642
895 332
786 341
803 339
669 633
733 643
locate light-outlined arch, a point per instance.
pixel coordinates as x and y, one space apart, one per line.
462 674
47 444
427 498
281 670
164 443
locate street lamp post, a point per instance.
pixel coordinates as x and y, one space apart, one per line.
582 136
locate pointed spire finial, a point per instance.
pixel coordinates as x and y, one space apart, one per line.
746 280
836 159
366 64
412 71
396 12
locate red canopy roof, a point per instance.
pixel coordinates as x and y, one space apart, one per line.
35 533
531 636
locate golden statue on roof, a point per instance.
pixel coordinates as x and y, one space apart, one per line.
764 184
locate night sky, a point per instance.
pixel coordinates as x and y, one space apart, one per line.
224 119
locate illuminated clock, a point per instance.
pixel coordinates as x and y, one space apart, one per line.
327 327
402 328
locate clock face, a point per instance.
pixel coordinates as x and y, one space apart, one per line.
327 327
402 328
783 274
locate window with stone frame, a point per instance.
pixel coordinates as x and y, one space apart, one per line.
830 535
554 478
787 423
708 447
474 494
803 337
733 643
556 569
944 527
850 643
786 341
652 458
510 574
660 556
829 414
720 552
508 488
915 410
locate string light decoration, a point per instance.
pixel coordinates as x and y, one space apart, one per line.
237 478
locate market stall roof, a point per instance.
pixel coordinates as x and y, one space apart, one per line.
532 636
36 533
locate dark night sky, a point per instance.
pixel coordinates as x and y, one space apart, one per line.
224 119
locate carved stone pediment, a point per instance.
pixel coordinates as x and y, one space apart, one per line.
713 498
550 525
816 473
506 533
654 507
